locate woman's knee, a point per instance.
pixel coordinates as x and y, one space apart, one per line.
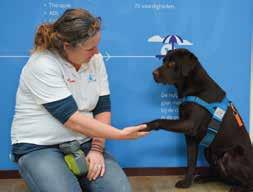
114 179
45 170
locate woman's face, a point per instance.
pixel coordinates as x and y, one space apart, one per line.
83 52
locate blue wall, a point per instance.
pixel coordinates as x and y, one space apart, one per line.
219 32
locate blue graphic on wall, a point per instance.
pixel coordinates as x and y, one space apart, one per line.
169 42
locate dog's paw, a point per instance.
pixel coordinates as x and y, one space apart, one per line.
152 125
183 184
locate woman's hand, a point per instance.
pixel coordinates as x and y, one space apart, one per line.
134 132
96 165
91 127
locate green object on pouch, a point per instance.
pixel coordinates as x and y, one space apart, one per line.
74 157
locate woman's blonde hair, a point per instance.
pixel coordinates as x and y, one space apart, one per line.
74 26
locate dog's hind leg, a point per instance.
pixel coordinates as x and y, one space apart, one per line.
192 154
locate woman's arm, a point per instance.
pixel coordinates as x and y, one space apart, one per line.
94 128
97 142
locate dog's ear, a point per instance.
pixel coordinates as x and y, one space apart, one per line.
188 62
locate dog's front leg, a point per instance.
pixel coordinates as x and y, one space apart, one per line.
192 154
180 126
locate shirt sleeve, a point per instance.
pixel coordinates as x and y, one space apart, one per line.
62 109
103 105
44 78
102 76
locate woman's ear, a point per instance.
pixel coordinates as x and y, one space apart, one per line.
66 46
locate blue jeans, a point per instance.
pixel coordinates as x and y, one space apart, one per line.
45 170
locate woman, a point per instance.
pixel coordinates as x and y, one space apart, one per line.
63 95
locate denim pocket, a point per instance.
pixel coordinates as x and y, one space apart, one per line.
13 157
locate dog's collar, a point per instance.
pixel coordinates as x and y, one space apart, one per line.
217 109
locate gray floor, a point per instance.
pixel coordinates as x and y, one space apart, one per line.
139 184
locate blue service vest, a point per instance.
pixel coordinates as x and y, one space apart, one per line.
217 109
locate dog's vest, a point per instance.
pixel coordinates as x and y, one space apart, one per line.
217 109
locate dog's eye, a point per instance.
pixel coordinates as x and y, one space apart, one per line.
170 64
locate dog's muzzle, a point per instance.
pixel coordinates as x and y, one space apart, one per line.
156 76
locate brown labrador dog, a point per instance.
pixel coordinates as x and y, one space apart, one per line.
230 154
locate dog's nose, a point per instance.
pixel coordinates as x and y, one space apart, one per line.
156 73
156 76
